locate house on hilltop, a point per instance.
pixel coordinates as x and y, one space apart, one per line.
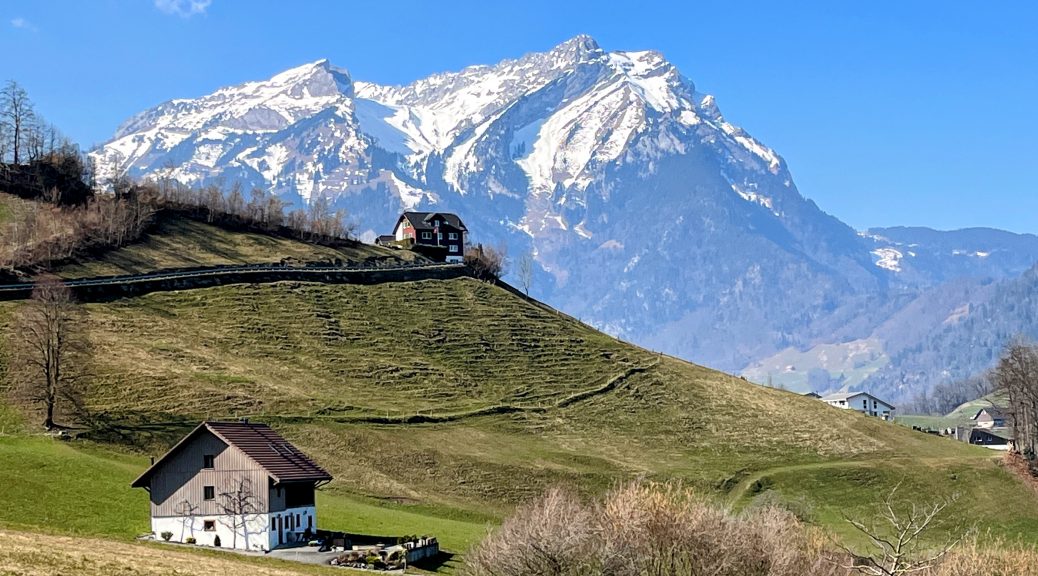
862 402
233 484
438 235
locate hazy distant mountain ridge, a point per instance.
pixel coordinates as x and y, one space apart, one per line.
648 213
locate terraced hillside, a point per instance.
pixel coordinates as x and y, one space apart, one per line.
177 242
441 404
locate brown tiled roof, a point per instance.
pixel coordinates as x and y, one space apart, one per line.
283 461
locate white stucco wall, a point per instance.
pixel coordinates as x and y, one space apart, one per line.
254 534
855 403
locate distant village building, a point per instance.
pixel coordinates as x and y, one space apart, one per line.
994 438
813 395
862 402
235 485
437 235
990 417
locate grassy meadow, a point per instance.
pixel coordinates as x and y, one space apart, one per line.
183 243
440 405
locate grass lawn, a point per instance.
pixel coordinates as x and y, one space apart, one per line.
320 361
183 243
36 554
522 398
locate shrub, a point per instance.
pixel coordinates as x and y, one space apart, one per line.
646 529
166 535
798 507
190 540
658 530
487 263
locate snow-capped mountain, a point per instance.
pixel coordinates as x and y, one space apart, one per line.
649 213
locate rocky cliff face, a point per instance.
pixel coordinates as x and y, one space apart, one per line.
648 213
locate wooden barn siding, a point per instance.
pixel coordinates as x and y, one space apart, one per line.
182 478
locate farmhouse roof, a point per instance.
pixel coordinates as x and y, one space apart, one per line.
283 461
994 411
424 220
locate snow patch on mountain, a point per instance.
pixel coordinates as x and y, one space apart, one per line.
888 258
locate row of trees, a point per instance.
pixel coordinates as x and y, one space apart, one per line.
259 209
947 396
36 160
42 233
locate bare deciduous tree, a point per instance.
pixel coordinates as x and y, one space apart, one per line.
899 538
524 270
238 501
47 351
17 113
1016 375
186 510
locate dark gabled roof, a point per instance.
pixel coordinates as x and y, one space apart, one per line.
283 461
1003 433
424 220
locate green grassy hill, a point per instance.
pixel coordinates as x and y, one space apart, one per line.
177 242
439 405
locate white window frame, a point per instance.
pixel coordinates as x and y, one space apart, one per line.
452 235
426 235
454 248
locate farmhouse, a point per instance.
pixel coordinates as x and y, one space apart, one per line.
862 402
994 438
233 484
438 235
989 417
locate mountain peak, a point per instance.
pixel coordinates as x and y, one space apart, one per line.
577 49
318 78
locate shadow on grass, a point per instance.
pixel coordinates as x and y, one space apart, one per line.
442 561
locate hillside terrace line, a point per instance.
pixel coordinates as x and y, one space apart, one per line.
102 288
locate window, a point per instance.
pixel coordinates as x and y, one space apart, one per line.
310 522
452 235
209 526
273 525
207 461
454 247
426 235
298 523
208 493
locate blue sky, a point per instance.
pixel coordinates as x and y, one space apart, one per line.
888 113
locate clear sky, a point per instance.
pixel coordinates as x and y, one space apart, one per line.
888 112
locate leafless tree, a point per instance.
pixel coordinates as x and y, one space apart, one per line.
524 270
236 201
487 263
186 510
48 349
1016 375
899 538
238 501
17 113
